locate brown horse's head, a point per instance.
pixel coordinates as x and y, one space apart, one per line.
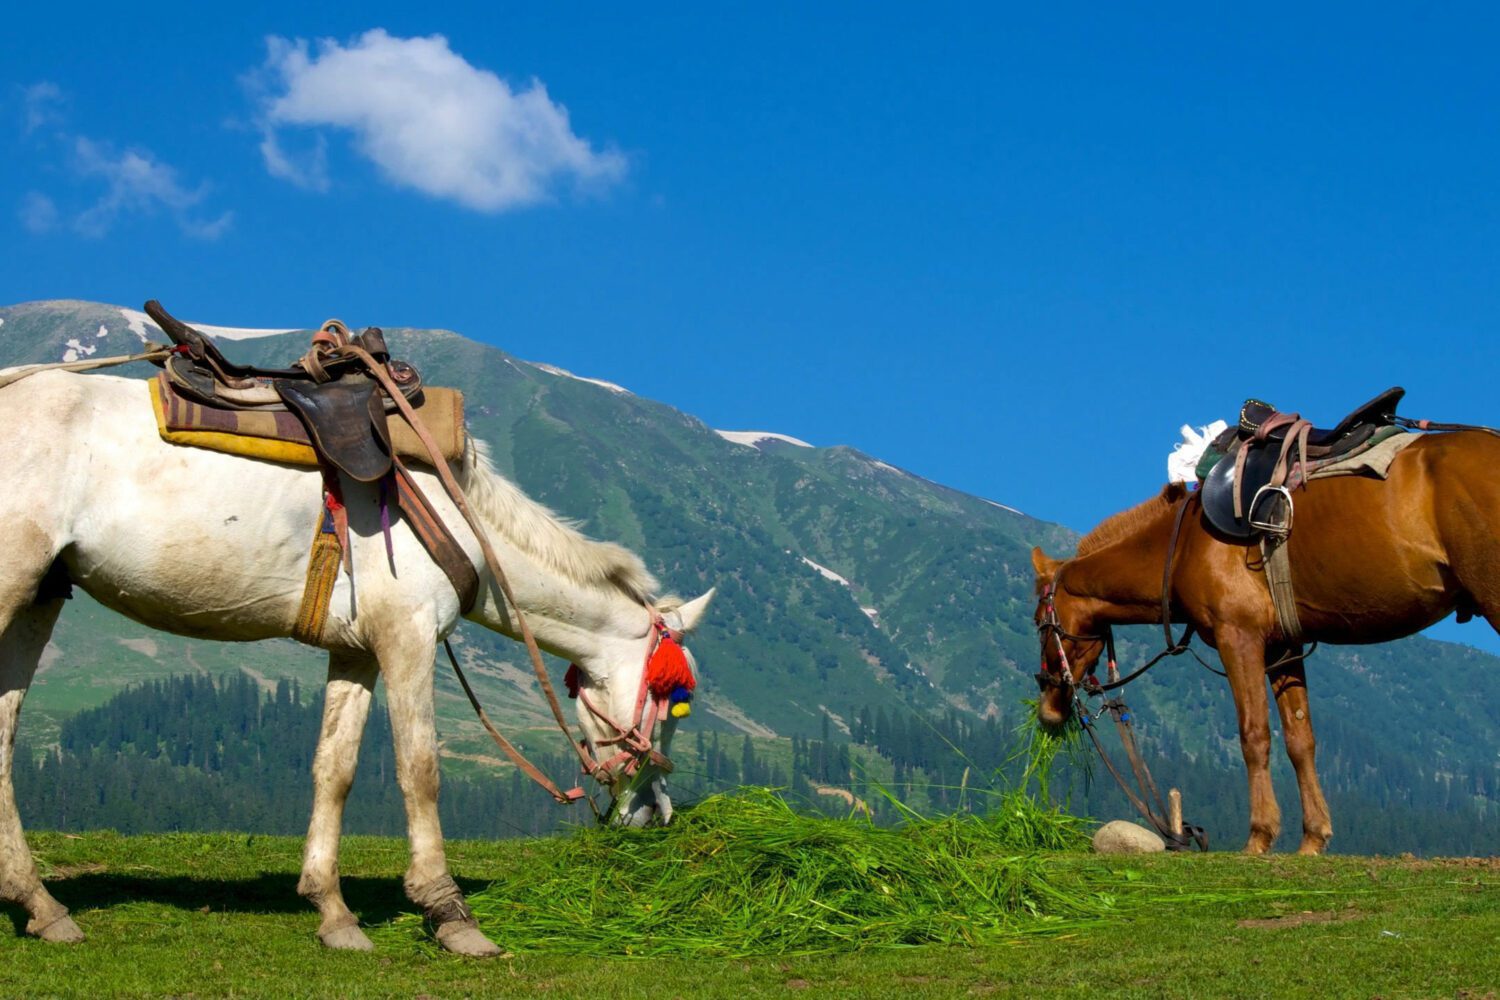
1069 647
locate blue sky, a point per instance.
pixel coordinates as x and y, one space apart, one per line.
1009 249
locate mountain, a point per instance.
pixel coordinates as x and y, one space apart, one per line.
844 583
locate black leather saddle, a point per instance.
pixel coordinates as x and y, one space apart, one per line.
1249 480
333 394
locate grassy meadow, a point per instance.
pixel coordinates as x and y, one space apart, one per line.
742 898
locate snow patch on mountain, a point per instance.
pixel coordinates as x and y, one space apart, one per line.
138 321
1003 507
78 349
237 332
826 572
564 373
752 439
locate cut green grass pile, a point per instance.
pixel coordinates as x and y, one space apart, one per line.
745 874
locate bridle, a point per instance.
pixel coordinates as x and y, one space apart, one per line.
634 741
1049 626
1048 623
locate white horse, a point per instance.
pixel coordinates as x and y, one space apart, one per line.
216 546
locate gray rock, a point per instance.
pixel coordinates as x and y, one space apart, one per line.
1121 837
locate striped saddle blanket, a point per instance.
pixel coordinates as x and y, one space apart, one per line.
277 435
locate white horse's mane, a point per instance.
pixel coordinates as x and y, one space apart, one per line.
552 540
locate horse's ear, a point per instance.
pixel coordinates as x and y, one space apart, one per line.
1044 565
686 618
1173 492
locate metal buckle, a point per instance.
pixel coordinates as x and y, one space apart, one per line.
1270 527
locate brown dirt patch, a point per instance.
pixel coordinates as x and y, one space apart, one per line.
1416 864
1297 919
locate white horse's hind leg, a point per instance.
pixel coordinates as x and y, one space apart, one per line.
346 704
407 667
25 634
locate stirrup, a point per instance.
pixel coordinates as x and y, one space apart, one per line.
1281 531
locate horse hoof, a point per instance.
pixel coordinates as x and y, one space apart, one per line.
346 938
465 939
60 931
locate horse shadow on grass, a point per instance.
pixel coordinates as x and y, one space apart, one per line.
375 899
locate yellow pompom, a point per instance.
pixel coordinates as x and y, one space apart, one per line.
682 710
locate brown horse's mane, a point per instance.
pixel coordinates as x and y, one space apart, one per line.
1118 526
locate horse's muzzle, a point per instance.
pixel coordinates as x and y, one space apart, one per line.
642 803
1053 708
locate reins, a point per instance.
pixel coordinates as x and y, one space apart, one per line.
1120 712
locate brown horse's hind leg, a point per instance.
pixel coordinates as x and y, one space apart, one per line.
1289 684
1244 657
24 636
346 704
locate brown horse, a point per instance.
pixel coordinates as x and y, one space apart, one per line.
1371 561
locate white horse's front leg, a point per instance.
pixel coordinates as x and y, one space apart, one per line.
346 704
408 674
22 638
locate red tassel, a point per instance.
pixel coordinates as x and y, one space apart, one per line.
573 679
668 668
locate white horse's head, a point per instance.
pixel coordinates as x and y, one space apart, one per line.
589 602
613 702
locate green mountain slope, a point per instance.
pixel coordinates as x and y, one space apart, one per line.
843 583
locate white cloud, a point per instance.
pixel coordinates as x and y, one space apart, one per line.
41 106
38 213
135 181
138 183
426 117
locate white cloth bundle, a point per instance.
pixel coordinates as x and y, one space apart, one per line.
1182 464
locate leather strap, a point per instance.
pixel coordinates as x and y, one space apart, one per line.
156 354
436 538
519 759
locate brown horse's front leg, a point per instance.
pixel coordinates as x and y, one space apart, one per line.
1244 657
1290 686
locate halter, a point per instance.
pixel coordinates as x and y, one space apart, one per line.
634 741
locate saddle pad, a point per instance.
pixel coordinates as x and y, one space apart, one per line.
278 436
1374 460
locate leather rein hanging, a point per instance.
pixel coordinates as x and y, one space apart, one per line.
634 741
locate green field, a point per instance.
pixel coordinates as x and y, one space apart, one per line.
218 915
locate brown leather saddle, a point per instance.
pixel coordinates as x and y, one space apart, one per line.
1247 492
332 392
